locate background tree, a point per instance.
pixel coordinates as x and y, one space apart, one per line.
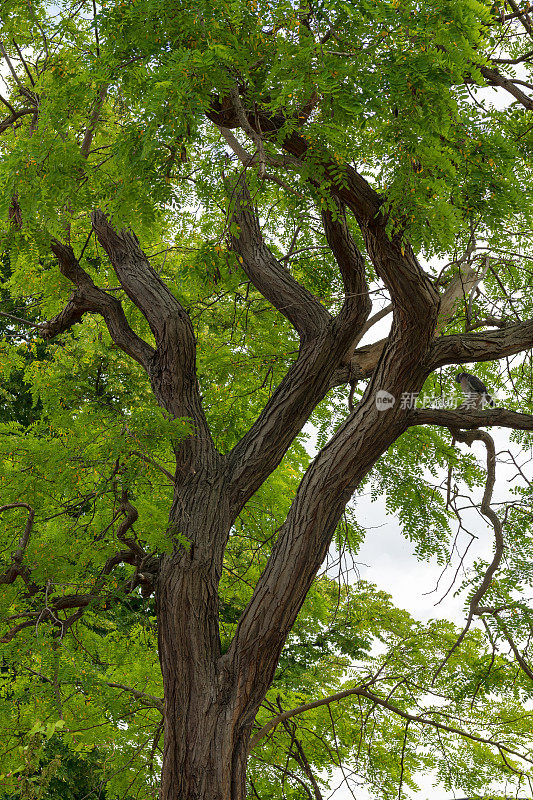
211 174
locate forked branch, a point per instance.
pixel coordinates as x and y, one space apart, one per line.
89 298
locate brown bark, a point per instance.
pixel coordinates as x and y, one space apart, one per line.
205 749
211 699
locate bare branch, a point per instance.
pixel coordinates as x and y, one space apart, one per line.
459 289
256 137
247 159
131 516
474 607
419 719
10 66
23 61
486 346
461 418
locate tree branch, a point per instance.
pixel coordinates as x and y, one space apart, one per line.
487 346
79 601
16 567
173 366
19 320
305 536
363 361
23 61
362 691
8 121
351 264
274 281
326 344
409 286
154 463
148 700
460 418
139 279
10 66
89 298
521 16
474 607
494 76
93 121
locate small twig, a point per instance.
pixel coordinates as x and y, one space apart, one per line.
474 606
19 319
24 64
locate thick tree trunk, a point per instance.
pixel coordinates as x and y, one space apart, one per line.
204 757
205 746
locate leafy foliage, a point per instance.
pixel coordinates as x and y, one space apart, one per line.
116 116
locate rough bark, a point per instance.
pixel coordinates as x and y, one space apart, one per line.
204 755
211 700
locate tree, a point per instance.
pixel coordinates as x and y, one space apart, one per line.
200 203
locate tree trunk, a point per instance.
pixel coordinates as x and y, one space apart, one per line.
203 757
211 700
205 745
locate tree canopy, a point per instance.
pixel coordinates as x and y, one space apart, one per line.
207 209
